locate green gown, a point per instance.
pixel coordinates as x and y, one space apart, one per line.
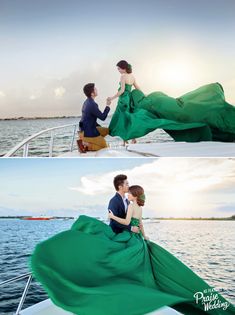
90 270
200 115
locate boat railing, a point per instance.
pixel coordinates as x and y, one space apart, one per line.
25 143
26 275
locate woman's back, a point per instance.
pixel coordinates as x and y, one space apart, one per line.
129 78
136 211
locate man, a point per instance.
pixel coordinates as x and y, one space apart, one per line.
91 134
119 204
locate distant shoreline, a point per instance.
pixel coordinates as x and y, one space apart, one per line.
35 118
29 216
196 219
232 218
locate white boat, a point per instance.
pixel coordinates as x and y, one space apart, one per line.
164 149
147 149
46 307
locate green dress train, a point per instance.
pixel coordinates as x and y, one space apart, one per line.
200 115
90 270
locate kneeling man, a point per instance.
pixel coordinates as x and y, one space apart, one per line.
92 134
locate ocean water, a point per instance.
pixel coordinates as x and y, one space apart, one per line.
207 247
12 132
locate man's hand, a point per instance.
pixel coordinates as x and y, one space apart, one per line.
135 229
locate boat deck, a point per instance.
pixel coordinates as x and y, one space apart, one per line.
48 308
165 149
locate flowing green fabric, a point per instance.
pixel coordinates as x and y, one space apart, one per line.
200 115
90 270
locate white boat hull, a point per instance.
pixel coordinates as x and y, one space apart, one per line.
48 308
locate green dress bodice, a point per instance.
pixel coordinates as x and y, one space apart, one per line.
135 222
124 100
128 87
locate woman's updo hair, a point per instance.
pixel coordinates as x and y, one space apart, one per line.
138 191
123 64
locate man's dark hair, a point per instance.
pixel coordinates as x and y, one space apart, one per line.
88 89
119 181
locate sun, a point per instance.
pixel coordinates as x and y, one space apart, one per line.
173 72
179 199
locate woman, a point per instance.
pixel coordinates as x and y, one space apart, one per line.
90 270
127 80
200 115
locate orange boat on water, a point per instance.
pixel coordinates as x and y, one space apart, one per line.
37 218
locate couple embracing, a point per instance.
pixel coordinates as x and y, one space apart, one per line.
126 213
99 269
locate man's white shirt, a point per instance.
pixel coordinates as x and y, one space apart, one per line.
125 202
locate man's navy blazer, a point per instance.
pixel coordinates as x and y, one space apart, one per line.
117 206
90 114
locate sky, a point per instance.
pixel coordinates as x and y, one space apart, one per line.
189 187
50 49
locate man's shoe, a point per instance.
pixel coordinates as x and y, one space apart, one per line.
81 147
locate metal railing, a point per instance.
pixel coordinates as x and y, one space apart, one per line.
25 143
26 275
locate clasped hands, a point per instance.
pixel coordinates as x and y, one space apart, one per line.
109 101
135 229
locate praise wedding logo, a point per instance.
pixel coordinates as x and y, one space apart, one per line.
210 299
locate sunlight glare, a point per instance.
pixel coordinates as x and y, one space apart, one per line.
175 72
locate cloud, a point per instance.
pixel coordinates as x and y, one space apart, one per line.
2 94
13 195
58 96
229 90
161 175
174 187
226 207
33 97
59 92
10 211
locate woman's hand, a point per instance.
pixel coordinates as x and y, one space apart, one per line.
108 102
110 215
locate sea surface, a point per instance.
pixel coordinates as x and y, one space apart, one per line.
207 247
12 132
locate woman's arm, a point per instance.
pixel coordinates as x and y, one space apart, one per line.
142 228
120 220
121 90
113 207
